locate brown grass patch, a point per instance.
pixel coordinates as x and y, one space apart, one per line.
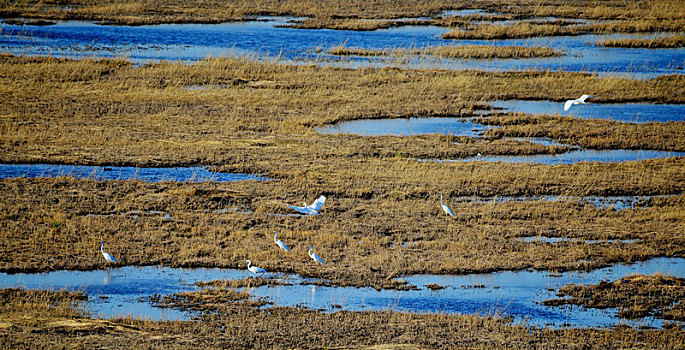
235 325
462 52
635 296
671 41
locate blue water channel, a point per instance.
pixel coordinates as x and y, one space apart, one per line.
183 174
406 127
264 38
623 112
125 291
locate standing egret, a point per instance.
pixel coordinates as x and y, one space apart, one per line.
108 256
445 208
254 269
312 209
579 100
280 243
315 256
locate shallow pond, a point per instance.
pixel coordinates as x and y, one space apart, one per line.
265 38
406 127
623 112
124 291
583 155
191 174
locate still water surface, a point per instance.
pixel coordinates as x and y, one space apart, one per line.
124 291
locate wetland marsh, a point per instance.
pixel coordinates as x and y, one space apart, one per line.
182 141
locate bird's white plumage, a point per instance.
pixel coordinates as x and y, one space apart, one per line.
445 208
254 269
280 243
107 256
579 100
315 256
312 209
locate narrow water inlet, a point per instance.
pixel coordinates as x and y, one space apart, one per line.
183 174
623 112
407 127
125 291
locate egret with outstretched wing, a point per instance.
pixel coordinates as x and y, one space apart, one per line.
312 209
579 100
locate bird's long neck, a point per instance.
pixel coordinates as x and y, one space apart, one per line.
249 263
310 251
441 199
276 235
102 248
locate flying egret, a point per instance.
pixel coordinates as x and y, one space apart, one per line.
254 269
312 209
579 100
280 243
108 256
315 256
444 206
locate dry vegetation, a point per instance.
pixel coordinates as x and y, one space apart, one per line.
261 118
529 30
634 296
231 324
460 52
660 42
591 133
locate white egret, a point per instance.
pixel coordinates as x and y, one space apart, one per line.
108 256
315 256
444 206
280 243
254 269
312 209
579 100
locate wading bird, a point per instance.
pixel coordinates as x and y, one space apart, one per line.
108 256
445 208
579 100
312 209
254 269
315 256
280 243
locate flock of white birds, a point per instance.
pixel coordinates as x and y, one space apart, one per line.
315 207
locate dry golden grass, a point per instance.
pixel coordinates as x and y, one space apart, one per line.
671 41
635 296
529 30
461 52
591 133
235 325
336 14
260 117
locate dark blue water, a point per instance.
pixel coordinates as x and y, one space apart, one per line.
123 291
192 174
583 155
407 126
623 112
264 39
